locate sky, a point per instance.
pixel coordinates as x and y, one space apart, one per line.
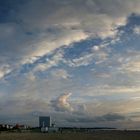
75 60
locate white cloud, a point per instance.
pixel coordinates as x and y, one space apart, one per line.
57 57
133 67
48 44
4 70
123 89
60 73
137 30
61 103
102 75
31 76
82 61
96 48
86 59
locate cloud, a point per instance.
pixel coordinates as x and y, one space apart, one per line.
94 18
111 117
20 105
39 30
81 61
4 70
61 103
96 48
111 89
60 73
56 29
49 63
47 45
132 67
101 75
61 21
105 118
136 30
89 58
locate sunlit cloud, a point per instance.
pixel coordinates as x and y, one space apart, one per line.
61 103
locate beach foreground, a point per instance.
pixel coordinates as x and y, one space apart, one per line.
97 135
